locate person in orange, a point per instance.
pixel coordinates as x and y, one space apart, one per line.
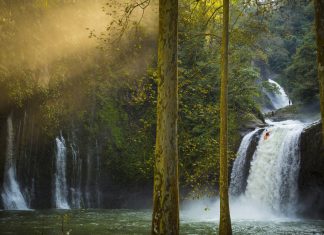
266 136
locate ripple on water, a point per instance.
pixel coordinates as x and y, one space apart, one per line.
117 222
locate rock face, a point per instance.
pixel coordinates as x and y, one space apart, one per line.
311 177
35 157
2 153
250 122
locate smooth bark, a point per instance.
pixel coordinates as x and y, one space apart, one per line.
319 24
166 187
225 219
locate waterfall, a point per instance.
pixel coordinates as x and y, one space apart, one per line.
92 184
269 181
88 180
60 187
76 192
278 99
241 166
11 195
272 182
271 191
98 193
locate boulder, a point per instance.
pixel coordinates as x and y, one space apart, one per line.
311 177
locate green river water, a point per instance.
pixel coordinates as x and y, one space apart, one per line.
100 222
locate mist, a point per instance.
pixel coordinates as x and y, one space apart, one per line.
207 209
65 29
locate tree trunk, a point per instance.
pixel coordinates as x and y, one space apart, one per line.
225 219
319 21
166 187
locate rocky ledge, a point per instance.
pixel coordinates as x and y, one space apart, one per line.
305 113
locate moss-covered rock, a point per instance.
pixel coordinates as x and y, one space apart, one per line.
304 112
251 121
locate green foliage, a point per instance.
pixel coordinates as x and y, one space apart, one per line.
108 97
291 50
199 91
301 74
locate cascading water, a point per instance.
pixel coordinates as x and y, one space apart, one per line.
274 170
279 99
98 193
76 193
271 185
92 186
88 195
272 180
11 195
60 187
238 176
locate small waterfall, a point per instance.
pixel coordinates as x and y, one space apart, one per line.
88 185
60 187
241 165
76 192
11 195
92 186
272 182
98 193
278 99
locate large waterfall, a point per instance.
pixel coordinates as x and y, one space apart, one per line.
272 180
269 179
60 187
264 177
12 197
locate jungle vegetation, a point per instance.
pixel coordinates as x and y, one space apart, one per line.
76 74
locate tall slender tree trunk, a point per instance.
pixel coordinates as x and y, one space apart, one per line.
319 21
166 187
225 219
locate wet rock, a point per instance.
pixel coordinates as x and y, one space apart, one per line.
251 122
306 113
311 177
